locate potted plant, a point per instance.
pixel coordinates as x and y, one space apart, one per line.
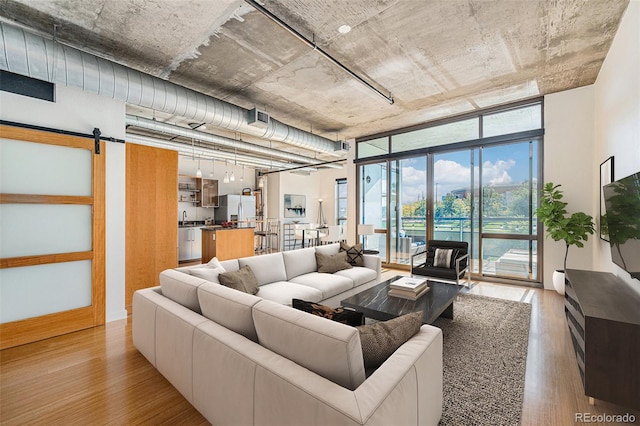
573 229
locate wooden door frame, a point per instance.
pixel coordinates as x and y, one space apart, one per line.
32 329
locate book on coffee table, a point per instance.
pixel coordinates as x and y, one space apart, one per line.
408 294
409 284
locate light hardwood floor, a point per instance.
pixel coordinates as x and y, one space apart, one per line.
96 376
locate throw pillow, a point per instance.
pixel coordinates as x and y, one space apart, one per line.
332 263
243 280
344 316
208 274
354 254
381 339
442 258
215 263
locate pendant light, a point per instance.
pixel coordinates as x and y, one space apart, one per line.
199 171
232 178
213 166
242 177
193 157
226 172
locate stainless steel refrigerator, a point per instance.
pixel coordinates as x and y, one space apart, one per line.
235 208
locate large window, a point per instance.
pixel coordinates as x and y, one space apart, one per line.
474 179
341 201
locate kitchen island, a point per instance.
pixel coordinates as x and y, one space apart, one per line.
226 243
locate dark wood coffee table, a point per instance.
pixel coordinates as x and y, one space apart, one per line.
377 304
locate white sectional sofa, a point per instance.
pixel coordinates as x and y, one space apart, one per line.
294 274
240 359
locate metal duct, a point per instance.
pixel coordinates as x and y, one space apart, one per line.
25 53
171 129
208 153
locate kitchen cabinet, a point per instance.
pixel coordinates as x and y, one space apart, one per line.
189 244
207 195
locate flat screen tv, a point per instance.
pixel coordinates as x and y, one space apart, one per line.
622 205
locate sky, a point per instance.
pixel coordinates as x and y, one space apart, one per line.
502 164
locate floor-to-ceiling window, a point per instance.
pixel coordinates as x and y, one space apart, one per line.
473 178
407 225
341 201
454 190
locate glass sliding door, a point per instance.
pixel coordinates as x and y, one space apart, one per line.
408 208
509 195
373 206
454 195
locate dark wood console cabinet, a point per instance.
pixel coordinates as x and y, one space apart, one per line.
603 315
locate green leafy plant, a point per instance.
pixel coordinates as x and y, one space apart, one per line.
573 229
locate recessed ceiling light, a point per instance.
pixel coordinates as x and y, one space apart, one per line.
344 29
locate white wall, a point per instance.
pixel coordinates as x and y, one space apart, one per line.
568 160
315 186
617 117
77 111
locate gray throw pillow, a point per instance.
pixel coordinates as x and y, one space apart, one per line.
243 280
381 339
442 258
332 263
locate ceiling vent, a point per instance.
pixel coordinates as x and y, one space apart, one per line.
258 118
342 146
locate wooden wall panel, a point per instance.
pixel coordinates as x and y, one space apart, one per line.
151 216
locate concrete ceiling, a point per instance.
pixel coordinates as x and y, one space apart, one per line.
437 58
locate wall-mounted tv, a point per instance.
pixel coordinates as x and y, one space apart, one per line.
622 204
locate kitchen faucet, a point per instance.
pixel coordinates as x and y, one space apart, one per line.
184 216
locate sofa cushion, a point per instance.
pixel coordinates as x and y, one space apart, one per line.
328 284
283 292
298 262
243 280
229 308
332 263
230 265
358 275
381 339
327 348
267 268
328 249
181 288
341 315
354 254
430 271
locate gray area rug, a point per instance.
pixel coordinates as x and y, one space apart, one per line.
485 356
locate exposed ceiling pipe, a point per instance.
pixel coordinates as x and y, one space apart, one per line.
208 153
32 55
174 130
312 44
